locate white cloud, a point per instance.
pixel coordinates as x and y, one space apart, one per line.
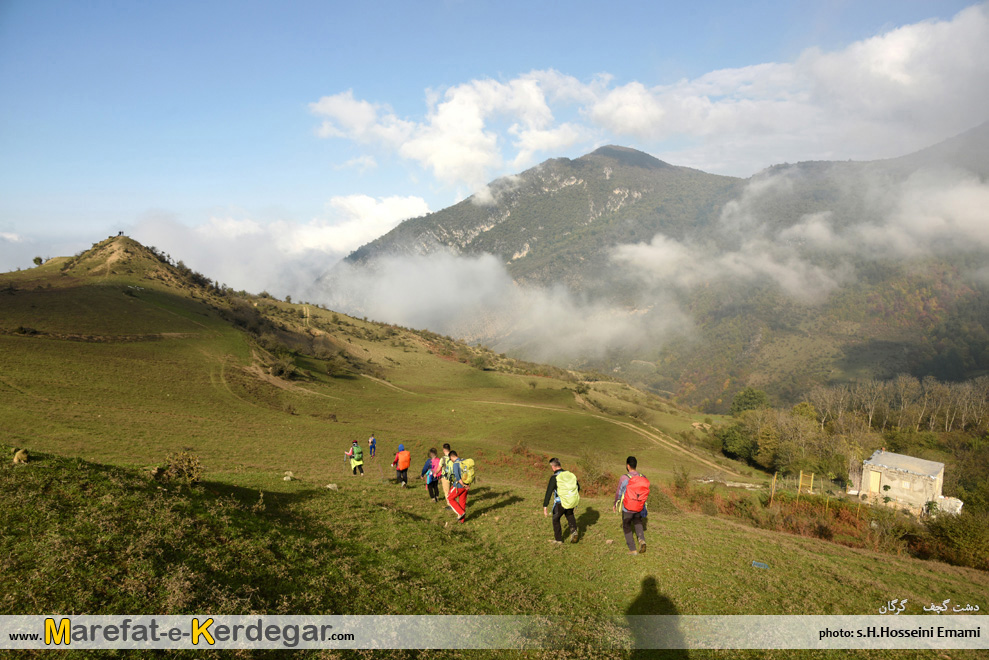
666 263
348 117
362 164
279 257
10 237
536 141
630 110
475 298
934 213
880 97
357 219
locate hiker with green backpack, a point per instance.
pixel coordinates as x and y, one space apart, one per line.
356 456
565 490
461 477
446 470
631 496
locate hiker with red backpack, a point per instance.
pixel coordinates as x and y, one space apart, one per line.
564 488
631 496
431 471
403 459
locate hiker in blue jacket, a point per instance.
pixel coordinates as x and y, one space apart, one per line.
431 472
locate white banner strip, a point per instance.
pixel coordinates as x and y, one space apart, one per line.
491 632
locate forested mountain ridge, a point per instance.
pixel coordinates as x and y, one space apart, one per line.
805 274
549 223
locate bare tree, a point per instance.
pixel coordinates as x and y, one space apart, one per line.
980 400
866 396
905 391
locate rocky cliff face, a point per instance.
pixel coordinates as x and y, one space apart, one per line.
550 223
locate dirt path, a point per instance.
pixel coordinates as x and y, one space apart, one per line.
655 436
387 384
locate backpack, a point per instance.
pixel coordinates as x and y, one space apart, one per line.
358 453
467 471
437 468
566 489
636 494
404 459
446 467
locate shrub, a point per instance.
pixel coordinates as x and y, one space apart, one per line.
183 468
593 479
681 480
962 540
736 442
888 530
283 368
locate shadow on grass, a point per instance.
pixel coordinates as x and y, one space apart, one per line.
587 520
655 637
276 504
504 498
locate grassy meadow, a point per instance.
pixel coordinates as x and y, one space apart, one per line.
111 361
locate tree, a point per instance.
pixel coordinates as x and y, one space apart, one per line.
38 261
736 442
748 399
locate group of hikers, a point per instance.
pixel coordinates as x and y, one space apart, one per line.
630 500
450 471
456 476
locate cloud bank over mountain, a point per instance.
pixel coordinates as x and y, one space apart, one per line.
282 257
803 230
475 298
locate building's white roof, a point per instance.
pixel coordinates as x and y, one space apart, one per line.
905 463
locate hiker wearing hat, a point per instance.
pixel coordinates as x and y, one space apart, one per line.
403 459
356 456
564 488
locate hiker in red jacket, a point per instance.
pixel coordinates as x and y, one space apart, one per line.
631 496
403 459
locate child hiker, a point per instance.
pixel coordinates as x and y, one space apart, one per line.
431 472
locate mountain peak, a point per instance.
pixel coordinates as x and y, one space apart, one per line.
629 157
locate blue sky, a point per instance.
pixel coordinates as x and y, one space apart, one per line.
308 128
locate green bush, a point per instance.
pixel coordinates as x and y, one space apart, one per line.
283 368
681 480
183 468
736 442
962 540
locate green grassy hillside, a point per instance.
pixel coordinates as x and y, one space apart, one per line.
129 362
101 381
